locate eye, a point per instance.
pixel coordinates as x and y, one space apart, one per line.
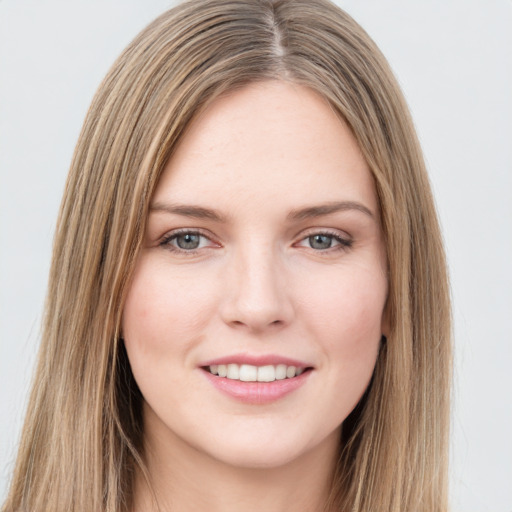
321 241
325 241
186 241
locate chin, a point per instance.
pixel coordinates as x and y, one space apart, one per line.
254 457
270 450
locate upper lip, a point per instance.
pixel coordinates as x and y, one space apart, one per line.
256 360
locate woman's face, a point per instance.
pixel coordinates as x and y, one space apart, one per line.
263 258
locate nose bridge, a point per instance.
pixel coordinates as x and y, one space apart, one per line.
257 292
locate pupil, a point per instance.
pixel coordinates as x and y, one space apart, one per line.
320 241
188 241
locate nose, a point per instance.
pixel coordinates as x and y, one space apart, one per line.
257 297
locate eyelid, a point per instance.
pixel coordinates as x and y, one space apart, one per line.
323 231
171 235
344 239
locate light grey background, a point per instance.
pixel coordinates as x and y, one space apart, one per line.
453 59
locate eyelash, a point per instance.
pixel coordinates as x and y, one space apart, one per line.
343 243
167 240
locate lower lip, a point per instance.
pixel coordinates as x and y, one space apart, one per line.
257 393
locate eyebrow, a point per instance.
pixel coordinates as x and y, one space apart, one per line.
309 212
328 208
196 212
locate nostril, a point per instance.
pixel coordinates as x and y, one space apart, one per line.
240 323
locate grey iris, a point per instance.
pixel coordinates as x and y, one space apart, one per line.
320 241
188 241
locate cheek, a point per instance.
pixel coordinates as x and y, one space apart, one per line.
162 323
350 301
345 316
164 309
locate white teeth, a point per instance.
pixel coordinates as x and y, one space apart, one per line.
266 373
280 372
250 373
233 371
290 371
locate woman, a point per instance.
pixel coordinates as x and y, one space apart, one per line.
248 303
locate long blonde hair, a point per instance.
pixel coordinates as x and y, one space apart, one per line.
81 442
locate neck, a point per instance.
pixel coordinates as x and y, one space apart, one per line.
183 479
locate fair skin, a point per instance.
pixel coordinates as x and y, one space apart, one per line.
263 247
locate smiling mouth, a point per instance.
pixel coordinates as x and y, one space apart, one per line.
251 373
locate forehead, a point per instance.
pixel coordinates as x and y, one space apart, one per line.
271 141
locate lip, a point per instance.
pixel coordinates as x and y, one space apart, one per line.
257 360
257 393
